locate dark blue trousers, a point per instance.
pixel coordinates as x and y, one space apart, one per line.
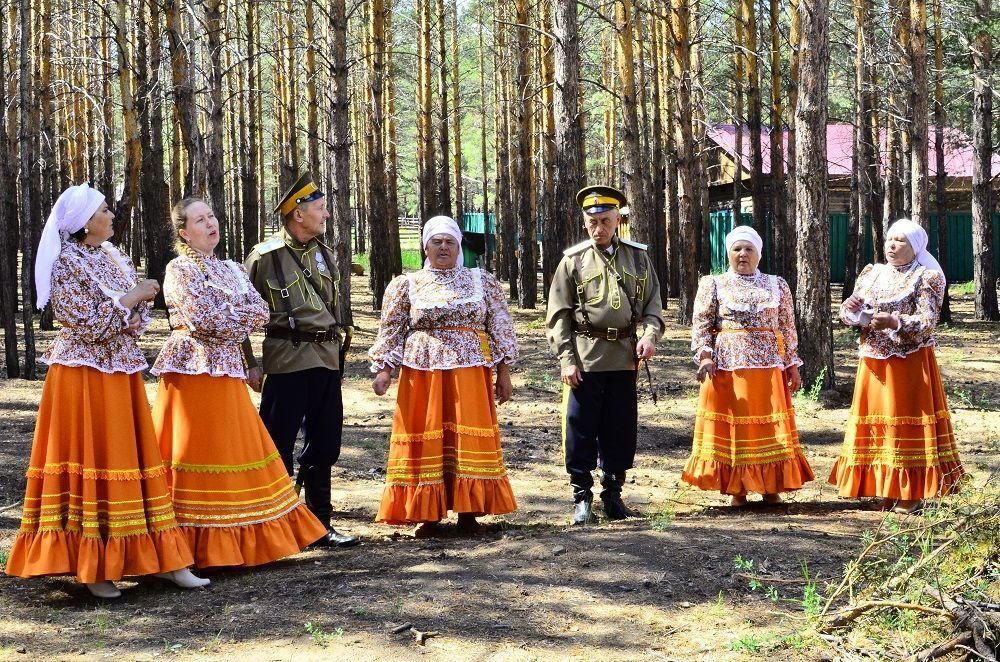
311 400
600 423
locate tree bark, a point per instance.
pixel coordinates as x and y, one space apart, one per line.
754 122
29 189
781 238
918 109
941 178
216 149
791 183
380 256
686 207
339 144
982 144
640 223
185 106
8 218
527 293
444 201
812 299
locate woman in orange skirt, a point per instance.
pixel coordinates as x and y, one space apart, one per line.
233 497
899 443
447 327
744 339
96 504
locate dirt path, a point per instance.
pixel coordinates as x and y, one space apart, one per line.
694 580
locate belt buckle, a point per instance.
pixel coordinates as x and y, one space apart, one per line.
612 334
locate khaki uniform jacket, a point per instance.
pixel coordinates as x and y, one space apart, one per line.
311 315
607 305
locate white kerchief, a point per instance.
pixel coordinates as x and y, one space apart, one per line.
74 207
440 225
918 239
745 233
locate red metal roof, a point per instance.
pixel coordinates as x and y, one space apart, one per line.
839 137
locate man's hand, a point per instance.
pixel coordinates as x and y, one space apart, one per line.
255 376
706 369
382 381
645 349
570 375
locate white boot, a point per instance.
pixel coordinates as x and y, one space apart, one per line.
104 590
184 578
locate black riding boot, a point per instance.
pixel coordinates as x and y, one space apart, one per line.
583 499
611 495
317 484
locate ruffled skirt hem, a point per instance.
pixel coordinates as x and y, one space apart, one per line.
94 560
254 544
411 504
770 478
909 484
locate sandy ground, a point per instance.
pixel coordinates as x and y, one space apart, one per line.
692 580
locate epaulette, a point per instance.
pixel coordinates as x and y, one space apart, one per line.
572 250
271 244
633 244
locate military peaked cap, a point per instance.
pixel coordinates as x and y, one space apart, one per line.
303 190
595 199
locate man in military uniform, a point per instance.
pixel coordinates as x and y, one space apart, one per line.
603 290
303 347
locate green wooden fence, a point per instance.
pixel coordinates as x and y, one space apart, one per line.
959 267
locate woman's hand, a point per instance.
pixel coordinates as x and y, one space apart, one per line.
134 322
254 378
792 378
145 290
706 369
382 381
503 389
883 321
853 303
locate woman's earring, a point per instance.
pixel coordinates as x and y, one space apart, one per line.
86 230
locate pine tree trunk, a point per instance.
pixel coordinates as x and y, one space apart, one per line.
380 262
426 157
982 144
157 234
918 107
754 122
488 257
527 254
812 301
339 144
216 149
781 238
631 155
185 103
8 217
132 146
791 184
861 186
392 160
312 89
456 155
29 189
249 164
552 225
569 170
687 208
941 178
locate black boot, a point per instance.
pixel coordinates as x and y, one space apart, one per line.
317 484
583 498
614 507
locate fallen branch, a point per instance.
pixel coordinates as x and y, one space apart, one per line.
945 647
851 614
770 580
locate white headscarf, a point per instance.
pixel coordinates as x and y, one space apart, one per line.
917 237
745 233
75 206
440 225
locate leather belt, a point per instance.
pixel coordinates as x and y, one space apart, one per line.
295 335
611 334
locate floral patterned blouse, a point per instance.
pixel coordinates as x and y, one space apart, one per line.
439 319
912 294
210 314
745 322
88 283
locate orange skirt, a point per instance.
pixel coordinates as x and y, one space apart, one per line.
96 504
444 452
745 439
233 497
899 442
